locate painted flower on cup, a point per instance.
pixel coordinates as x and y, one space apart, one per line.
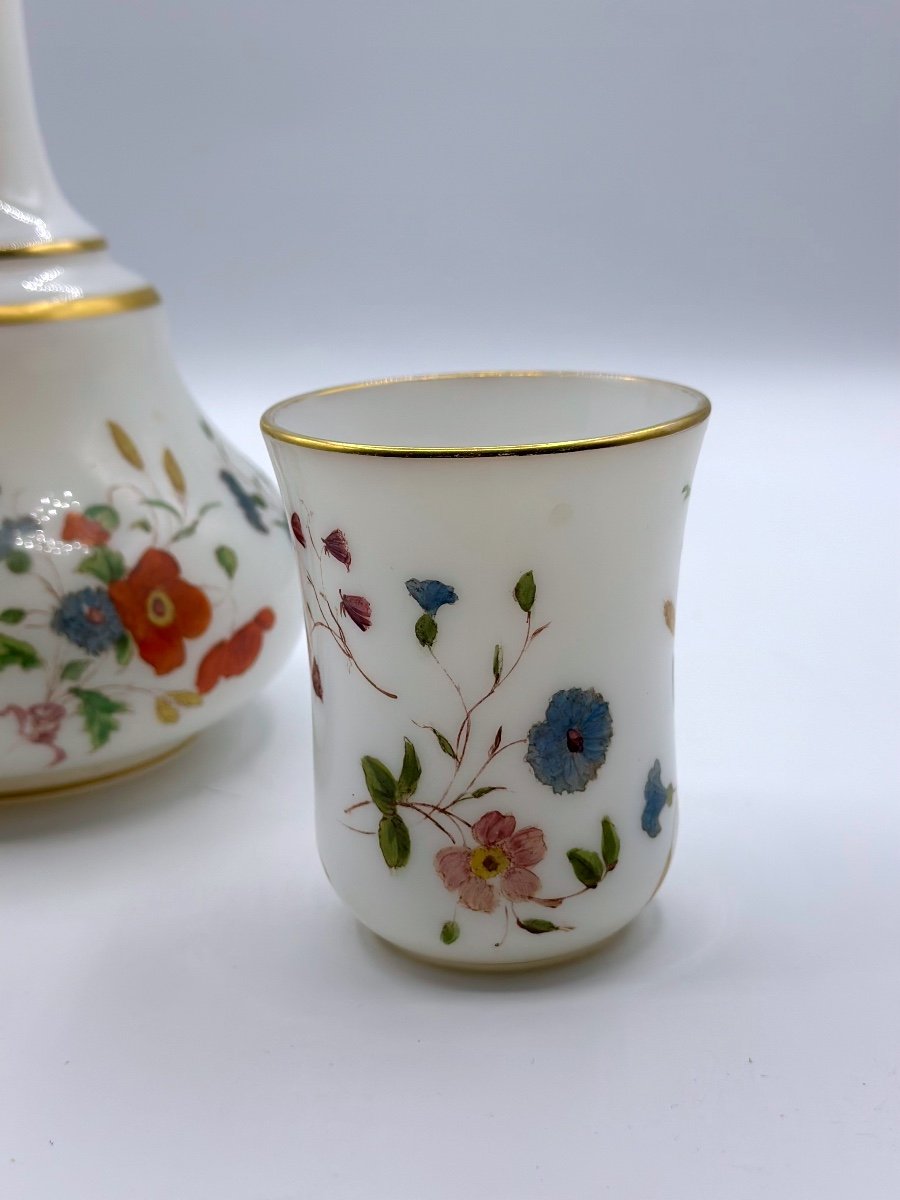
160 609
79 528
40 725
656 798
499 863
235 655
88 619
297 529
431 594
488 864
568 748
336 545
358 609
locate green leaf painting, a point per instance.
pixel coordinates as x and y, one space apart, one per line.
124 649
105 515
592 866
587 865
164 505
394 841
411 771
381 785
525 592
74 669
15 653
537 925
227 560
104 564
426 630
18 561
444 744
99 713
609 844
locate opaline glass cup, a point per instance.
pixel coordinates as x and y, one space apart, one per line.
489 566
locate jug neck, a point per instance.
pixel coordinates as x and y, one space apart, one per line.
35 217
53 264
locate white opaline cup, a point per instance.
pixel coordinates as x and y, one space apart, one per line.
489 567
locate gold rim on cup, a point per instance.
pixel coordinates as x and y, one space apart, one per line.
696 416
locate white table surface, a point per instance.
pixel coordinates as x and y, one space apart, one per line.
188 1013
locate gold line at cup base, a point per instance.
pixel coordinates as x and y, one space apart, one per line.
64 246
64 790
81 308
696 416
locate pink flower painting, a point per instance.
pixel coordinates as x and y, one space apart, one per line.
500 862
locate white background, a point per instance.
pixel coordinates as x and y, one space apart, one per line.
704 191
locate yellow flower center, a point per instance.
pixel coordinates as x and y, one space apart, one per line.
488 861
160 609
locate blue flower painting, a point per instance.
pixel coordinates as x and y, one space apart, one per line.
88 619
656 797
568 748
249 505
431 594
12 530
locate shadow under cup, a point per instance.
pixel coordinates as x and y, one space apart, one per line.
489 566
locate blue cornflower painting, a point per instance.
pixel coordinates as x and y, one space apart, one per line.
568 748
88 619
431 594
248 504
656 797
11 530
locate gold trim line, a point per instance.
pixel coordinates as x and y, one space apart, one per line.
78 309
695 416
63 246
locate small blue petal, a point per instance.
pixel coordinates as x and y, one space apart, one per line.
654 801
579 711
431 594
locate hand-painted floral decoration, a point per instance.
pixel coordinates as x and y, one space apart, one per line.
78 527
160 609
326 607
431 594
502 857
568 748
656 798
40 725
248 502
235 655
144 604
358 609
248 486
487 860
336 545
88 619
